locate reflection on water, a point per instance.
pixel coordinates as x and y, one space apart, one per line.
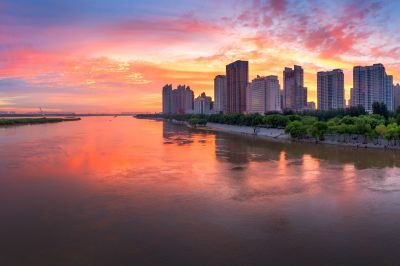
124 191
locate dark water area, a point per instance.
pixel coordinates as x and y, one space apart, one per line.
122 191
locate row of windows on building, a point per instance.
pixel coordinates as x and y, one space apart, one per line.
234 94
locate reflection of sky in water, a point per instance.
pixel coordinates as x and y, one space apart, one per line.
133 191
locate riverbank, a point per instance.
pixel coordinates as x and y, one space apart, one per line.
34 121
279 135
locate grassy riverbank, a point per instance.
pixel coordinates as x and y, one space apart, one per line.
33 121
348 126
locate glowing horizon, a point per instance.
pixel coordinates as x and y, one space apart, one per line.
116 57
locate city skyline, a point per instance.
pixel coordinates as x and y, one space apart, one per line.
234 93
115 57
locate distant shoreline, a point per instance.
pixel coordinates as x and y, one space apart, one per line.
7 122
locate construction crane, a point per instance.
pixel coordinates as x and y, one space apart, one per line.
41 111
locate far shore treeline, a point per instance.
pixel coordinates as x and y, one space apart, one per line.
33 121
315 124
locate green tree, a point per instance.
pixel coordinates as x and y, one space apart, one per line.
380 108
381 130
392 132
276 121
318 130
296 129
194 121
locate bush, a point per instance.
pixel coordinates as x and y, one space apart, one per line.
318 130
296 129
392 132
380 109
276 121
381 130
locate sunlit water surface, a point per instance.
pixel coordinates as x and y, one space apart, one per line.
122 191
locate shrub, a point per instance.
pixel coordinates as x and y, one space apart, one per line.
296 129
381 130
318 130
276 121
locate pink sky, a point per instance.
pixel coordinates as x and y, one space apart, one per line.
113 57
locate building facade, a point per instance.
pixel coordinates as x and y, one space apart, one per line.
263 95
178 101
237 78
203 104
220 94
372 84
167 99
396 96
330 90
310 106
294 92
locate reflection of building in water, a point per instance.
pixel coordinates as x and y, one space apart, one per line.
228 150
172 130
242 150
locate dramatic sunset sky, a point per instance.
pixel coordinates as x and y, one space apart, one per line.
112 56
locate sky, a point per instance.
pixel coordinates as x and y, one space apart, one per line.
115 56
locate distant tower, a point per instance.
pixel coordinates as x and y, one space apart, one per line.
372 84
330 90
202 104
294 92
220 94
167 99
396 96
264 95
237 77
178 101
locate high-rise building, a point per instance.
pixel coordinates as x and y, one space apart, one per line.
237 78
294 92
330 90
263 95
389 98
178 101
352 98
310 106
166 99
396 96
372 84
220 94
203 104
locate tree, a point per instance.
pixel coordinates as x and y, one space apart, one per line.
355 111
276 121
318 130
392 132
380 108
193 122
296 129
381 130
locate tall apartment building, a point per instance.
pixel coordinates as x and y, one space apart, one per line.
372 84
396 96
167 99
203 104
237 78
263 95
294 92
220 94
330 90
178 101
389 97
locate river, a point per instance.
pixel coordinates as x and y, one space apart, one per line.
123 191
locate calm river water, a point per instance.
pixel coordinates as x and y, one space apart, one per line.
122 191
